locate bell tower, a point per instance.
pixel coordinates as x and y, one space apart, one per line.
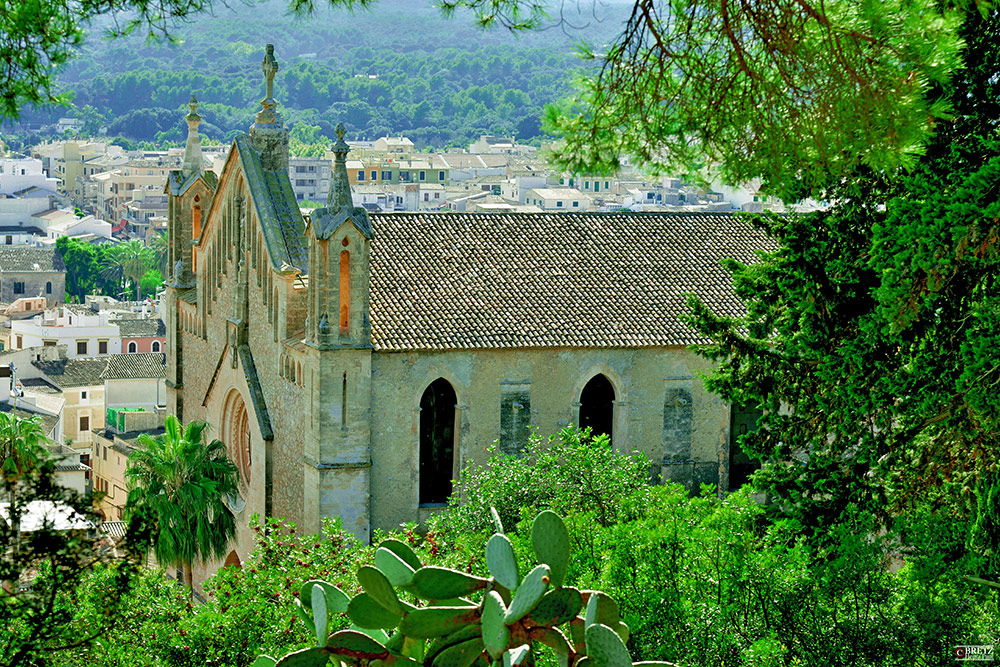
190 191
338 337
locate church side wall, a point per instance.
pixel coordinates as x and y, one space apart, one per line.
661 408
208 386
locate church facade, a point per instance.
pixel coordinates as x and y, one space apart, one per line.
353 363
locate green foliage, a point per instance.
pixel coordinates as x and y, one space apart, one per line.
131 260
437 92
871 333
567 472
698 581
509 624
800 93
21 447
151 282
46 616
180 485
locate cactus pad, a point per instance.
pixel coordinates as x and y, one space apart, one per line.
319 613
264 661
367 613
460 655
556 640
516 656
336 599
623 632
550 540
441 583
359 646
428 622
602 609
528 594
605 647
457 637
403 550
557 607
496 635
395 569
379 588
315 656
502 562
496 520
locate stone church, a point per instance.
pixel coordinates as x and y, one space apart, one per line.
354 362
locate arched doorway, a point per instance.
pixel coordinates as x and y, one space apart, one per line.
437 442
597 406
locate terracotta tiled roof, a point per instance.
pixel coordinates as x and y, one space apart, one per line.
128 366
26 259
474 281
151 327
73 372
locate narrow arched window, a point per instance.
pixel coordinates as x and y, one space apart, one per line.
345 291
437 442
196 222
156 346
343 402
48 288
132 347
597 406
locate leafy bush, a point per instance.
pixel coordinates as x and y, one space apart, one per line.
568 472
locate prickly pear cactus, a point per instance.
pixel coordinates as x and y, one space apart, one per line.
448 628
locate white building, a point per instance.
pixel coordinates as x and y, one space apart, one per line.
84 333
393 145
20 174
517 187
310 177
558 199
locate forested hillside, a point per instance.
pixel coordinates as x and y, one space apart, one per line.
398 68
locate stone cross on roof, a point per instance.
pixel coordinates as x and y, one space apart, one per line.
270 68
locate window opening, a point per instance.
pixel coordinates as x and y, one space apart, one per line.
742 421
597 406
437 442
345 291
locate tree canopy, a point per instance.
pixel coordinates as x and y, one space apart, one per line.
180 484
795 92
872 335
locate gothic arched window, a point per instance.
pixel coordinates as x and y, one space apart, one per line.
437 442
597 406
345 291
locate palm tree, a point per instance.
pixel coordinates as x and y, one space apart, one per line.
180 483
159 245
131 260
22 449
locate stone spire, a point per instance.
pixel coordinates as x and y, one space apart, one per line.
268 133
340 185
192 150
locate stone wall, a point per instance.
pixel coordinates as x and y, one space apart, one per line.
661 408
34 285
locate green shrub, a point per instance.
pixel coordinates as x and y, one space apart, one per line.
567 472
